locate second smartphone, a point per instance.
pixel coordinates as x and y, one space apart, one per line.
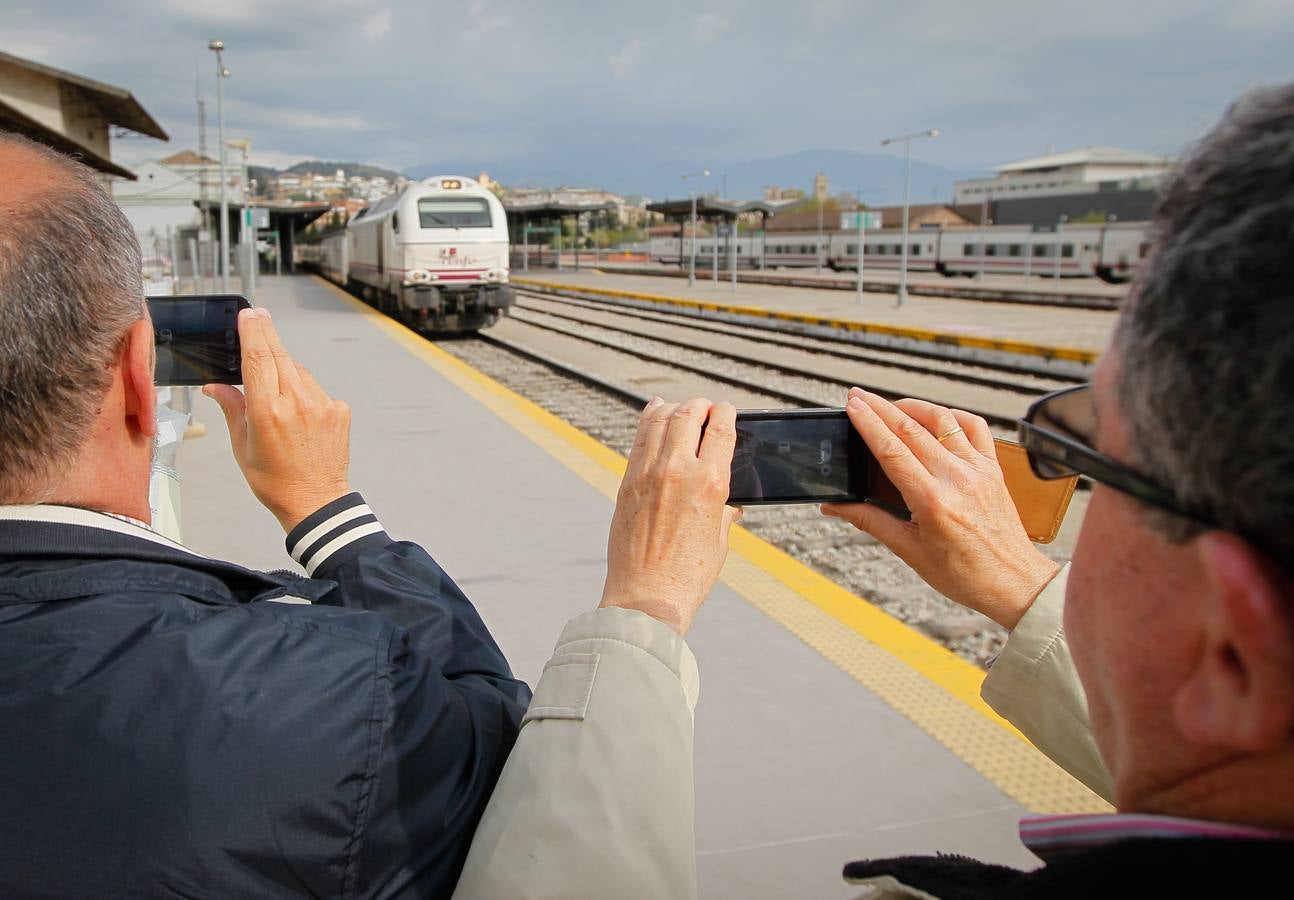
804 456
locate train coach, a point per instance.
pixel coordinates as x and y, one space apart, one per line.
1110 252
434 256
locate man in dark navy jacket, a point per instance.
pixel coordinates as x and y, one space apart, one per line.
177 725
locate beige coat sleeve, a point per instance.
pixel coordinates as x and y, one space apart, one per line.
596 799
1034 686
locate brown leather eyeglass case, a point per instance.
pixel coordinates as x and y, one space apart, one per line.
1040 502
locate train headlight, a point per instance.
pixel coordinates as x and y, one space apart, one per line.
418 276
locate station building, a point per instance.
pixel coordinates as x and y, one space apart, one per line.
71 113
1094 184
1086 171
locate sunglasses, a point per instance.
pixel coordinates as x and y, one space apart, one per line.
1058 432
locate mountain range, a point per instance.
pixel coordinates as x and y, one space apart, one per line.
876 177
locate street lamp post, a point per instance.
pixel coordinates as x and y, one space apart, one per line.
221 74
907 183
984 222
817 254
1060 241
691 266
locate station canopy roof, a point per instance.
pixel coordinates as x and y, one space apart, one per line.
547 209
283 216
708 207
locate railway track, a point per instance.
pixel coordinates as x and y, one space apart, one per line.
787 369
954 288
533 359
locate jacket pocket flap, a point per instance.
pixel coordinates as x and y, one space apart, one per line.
564 689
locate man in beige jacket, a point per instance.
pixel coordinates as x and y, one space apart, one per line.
1178 608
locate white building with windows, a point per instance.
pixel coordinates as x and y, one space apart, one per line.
1086 171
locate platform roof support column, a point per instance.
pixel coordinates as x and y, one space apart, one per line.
525 244
732 252
714 255
576 229
558 231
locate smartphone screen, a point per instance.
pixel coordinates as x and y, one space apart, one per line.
798 456
197 339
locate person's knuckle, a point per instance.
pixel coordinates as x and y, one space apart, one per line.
715 482
909 427
674 469
259 356
891 448
962 480
721 430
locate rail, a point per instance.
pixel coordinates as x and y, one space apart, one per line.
1017 356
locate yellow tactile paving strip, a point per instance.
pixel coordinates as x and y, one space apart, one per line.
932 687
1073 354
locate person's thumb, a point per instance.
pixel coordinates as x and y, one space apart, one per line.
234 405
886 527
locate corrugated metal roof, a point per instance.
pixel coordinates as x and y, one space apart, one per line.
117 105
1085 157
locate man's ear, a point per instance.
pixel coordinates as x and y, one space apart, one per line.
1240 692
137 376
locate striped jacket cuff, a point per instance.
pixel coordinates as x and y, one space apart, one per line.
336 533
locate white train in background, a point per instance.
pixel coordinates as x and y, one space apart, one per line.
1110 252
434 256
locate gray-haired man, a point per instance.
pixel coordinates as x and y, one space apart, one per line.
1178 607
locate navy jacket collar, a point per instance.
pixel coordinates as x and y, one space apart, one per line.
45 532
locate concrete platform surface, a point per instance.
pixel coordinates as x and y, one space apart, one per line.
799 767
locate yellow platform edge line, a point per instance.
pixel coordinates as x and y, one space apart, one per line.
1073 354
959 678
1022 773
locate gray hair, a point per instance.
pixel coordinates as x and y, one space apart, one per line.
1206 340
71 284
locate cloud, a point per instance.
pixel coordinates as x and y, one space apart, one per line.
626 59
576 88
41 44
377 25
484 18
242 113
709 26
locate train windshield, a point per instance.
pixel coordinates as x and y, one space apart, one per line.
453 212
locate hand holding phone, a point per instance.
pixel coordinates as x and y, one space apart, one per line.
197 339
290 438
966 538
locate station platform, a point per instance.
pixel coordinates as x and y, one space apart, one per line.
1085 331
825 732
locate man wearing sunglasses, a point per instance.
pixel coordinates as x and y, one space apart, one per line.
1169 639
1158 667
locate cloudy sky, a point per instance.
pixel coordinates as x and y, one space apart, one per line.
603 84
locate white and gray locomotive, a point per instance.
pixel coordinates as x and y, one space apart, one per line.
434 256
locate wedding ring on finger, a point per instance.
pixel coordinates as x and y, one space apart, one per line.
947 434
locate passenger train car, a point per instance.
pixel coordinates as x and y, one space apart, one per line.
434 256
1110 252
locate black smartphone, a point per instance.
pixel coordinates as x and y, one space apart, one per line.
804 456
197 339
